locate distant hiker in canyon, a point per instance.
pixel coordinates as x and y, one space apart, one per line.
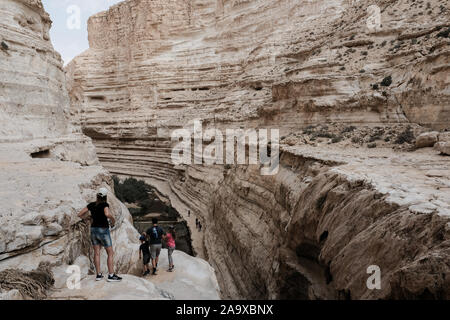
156 234
144 253
100 234
170 241
189 213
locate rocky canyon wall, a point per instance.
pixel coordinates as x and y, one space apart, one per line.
30 64
312 230
49 171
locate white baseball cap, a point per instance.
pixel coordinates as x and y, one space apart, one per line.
102 192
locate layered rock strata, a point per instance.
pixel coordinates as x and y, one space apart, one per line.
49 169
312 230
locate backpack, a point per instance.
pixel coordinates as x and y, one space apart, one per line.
155 235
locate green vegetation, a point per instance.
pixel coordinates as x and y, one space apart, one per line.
444 33
386 81
349 129
135 191
336 139
131 190
375 137
406 136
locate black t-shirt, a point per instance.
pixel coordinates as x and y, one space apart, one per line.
98 214
155 234
144 248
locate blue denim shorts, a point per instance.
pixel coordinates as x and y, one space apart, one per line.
101 237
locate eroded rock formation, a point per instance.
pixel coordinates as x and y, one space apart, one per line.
49 170
312 230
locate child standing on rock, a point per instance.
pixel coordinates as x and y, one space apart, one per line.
170 241
144 253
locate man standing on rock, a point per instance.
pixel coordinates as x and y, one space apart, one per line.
100 235
156 234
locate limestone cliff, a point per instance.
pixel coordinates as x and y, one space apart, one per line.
49 170
312 230
30 64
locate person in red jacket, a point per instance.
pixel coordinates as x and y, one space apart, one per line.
170 241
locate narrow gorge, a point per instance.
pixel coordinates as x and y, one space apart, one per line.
363 113
350 102
49 171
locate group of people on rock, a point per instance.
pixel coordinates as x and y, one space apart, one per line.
151 240
151 245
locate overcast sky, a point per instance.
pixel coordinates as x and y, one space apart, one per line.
69 29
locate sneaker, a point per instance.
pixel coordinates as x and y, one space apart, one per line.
170 270
114 278
146 273
99 277
154 271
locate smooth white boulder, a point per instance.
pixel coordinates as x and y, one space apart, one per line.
130 288
427 139
192 279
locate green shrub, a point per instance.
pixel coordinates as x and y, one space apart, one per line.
131 190
387 81
444 33
323 134
336 139
145 206
349 129
406 136
356 140
135 211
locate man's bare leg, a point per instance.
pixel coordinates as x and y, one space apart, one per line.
97 258
110 252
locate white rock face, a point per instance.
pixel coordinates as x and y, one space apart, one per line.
41 199
49 171
443 147
193 279
11 295
30 65
427 139
131 288
155 65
